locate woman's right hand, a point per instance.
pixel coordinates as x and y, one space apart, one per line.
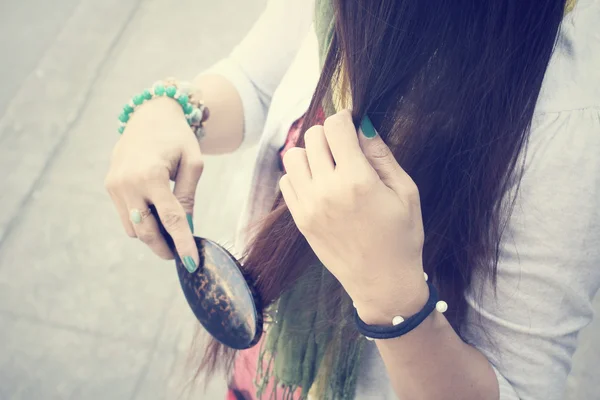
157 146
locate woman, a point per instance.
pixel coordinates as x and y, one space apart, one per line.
475 161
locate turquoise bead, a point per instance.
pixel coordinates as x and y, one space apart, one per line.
159 90
183 99
137 100
188 108
121 129
171 90
123 117
147 95
127 109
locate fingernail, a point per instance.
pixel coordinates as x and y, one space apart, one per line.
190 222
190 264
367 128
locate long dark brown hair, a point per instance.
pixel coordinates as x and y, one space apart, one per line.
451 86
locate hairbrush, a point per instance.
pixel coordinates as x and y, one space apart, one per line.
220 294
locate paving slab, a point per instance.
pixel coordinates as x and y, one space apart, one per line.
71 283
42 362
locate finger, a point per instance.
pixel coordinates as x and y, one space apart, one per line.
320 159
296 166
123 214
380 156
173 218
343 140
289 195
188 174
147 229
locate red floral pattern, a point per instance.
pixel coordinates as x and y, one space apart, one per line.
294 133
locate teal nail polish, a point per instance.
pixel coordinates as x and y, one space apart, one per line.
367 128
190 264
190 222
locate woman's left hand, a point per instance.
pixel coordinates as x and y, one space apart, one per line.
360 212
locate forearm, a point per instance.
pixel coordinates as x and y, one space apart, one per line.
225 126
432 362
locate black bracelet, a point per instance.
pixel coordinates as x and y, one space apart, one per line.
394 331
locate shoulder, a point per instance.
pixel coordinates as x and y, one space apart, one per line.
561 169
560 161
572 80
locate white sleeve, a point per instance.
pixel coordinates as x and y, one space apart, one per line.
549 267
257 64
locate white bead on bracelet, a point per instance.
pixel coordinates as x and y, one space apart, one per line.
441 306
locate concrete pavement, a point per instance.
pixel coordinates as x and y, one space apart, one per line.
86 313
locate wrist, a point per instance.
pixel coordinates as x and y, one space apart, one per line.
175 95
160 108
404 302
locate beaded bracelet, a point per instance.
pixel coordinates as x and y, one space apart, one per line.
401 326
196 113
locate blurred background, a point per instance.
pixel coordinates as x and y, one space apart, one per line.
86 312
